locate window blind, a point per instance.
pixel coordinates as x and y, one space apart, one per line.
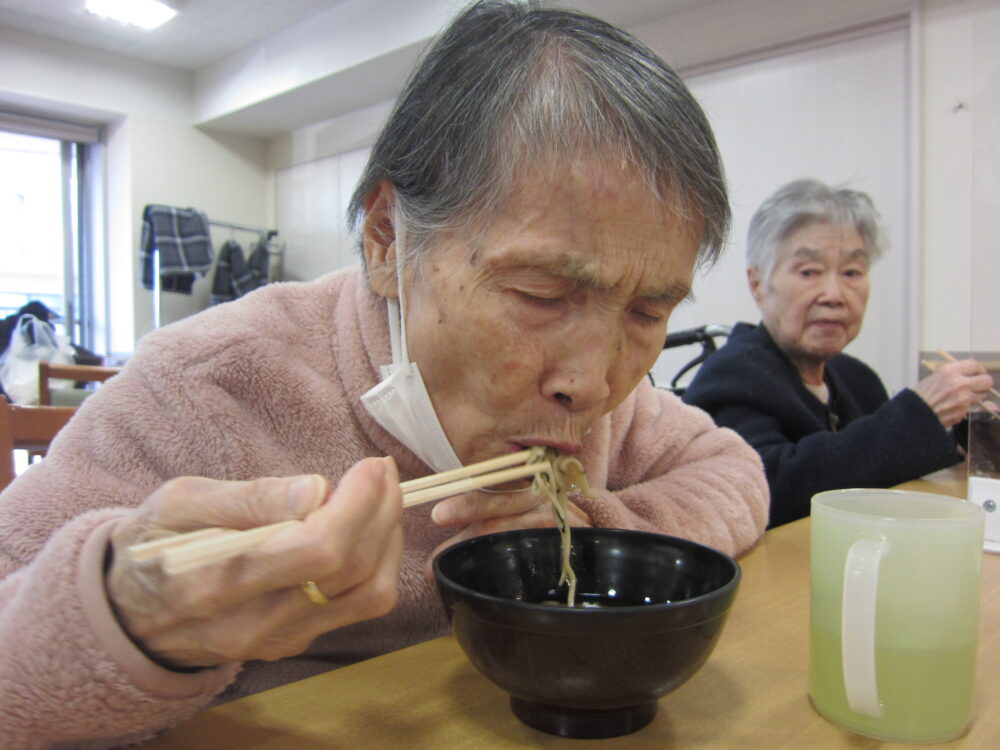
25 124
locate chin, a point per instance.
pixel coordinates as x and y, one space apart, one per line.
824 349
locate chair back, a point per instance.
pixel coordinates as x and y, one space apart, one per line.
704 335
28 428
78 373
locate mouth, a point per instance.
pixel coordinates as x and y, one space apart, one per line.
563 446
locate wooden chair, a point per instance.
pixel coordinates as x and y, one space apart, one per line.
77 373
28 428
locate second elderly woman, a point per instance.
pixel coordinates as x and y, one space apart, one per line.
819 418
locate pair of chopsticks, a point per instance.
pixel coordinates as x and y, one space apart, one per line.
182 552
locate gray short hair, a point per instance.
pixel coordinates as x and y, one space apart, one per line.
803 202
511 84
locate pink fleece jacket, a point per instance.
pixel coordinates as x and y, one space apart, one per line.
269 385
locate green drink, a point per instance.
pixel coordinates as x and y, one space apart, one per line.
926 694
895 612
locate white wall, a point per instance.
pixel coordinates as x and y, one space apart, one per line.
955 51
937 283
312 200
838 112
956 135
349 36
223 175
984 298
961 157
956 62
153 154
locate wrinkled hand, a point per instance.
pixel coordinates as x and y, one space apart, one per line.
479 513
953 387
252 606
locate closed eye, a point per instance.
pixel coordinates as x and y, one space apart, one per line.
648 318
540 301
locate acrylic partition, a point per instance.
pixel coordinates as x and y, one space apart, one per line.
984 293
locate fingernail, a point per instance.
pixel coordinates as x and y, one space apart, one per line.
443 514
390 469
302 494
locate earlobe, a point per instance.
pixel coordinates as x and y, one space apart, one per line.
379 239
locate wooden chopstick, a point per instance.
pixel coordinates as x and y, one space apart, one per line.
416 497
187 553
182 552
149 550
432 480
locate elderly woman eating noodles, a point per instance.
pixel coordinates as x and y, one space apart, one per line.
819 418
531 214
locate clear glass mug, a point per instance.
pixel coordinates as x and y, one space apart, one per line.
894 612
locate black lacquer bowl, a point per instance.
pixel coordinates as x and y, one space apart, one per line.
649 611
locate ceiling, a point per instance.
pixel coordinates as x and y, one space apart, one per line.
202 33
206 31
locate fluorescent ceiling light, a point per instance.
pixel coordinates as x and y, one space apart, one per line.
146 14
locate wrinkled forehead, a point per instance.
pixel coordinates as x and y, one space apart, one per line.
588 185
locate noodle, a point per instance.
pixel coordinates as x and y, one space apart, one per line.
567 475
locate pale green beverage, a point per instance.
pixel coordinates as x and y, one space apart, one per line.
904 567
926 694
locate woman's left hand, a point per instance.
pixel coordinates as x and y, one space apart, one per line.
478 513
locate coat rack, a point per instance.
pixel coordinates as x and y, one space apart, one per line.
267 234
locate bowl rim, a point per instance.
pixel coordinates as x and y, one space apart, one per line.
591 612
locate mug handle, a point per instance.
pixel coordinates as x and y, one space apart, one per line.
857 625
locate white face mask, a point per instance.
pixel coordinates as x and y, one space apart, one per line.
400 403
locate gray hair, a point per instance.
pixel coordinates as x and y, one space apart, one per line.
511 84
803 202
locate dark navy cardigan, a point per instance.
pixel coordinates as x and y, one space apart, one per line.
752 387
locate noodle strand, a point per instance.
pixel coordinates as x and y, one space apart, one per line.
567 475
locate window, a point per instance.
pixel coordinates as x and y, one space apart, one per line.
47 200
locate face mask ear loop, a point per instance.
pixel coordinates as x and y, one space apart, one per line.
400 345
397 323
404 354
392 305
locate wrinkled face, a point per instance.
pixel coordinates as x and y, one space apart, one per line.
553 315
814 301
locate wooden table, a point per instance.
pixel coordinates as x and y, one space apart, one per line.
752 693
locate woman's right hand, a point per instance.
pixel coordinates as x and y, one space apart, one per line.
954 387
252 606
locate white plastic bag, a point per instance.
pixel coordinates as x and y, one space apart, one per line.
32 341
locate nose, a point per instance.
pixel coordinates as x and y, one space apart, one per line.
832 291
582 369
